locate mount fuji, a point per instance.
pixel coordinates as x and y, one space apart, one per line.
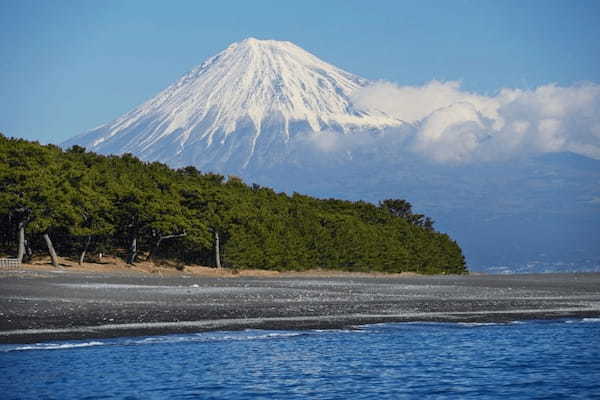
276 115
240 109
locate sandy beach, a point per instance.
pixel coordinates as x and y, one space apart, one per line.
41 304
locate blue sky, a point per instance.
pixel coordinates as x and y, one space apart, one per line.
68 66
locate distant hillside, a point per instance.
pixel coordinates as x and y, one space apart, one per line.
80 204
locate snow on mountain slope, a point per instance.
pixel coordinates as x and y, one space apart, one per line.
243 106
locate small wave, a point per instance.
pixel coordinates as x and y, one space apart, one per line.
378 325
55 346
582 320
355 329
272 335
167 339
475 324
590 320
214 337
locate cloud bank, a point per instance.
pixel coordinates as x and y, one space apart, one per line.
450 125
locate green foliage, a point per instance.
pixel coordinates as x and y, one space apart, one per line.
81 198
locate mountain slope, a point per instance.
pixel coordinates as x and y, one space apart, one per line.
240 107
276 115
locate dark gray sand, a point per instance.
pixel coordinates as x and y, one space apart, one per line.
45 305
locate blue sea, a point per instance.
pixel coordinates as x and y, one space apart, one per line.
521 360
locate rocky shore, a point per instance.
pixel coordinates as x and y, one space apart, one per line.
41 305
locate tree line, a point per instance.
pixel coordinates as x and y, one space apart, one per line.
79 204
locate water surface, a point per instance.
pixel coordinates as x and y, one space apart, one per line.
537 359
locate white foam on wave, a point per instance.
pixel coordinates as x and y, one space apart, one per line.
582 320
503 323
355 329
262 337
590 320
476 324
397 325
55 346
376 325
248 335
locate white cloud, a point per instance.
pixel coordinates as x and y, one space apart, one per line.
414 103
456 126
450 134
325 141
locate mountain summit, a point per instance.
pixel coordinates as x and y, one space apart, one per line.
242 107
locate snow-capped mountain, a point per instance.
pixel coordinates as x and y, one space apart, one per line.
274 114
239 108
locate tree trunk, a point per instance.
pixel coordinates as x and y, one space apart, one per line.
28 252
51 250
154 249
217 251
132 251
85 249
21 236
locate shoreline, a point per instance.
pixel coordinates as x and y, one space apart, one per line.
40 305
31 336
